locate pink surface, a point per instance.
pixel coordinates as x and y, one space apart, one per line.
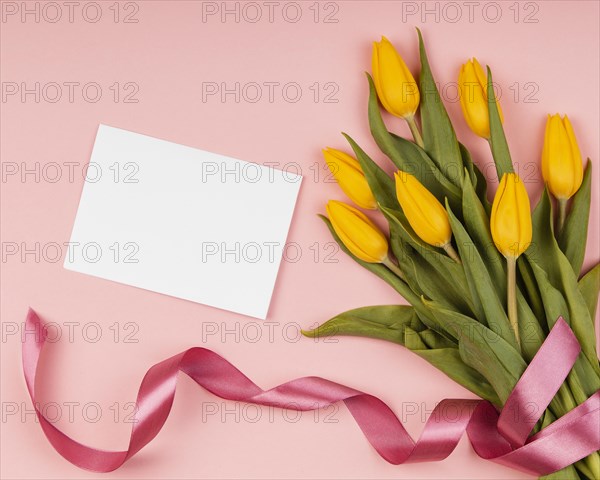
165 61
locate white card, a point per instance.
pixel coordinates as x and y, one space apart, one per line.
183 222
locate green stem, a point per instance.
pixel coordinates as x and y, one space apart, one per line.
451 252
414 129
511 289
590 465
394 268
562 215
593 463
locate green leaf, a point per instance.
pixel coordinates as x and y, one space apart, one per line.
530 330
500 150
398 244
449 361
437 276
573 237
433 340
554 303
481 189
468 164
477 179
380 183
404 253
489 307
438 134
484 350
378 129
413 341
589 286
582 379
385 322
527 284
399 324
545 252
450 291
477 224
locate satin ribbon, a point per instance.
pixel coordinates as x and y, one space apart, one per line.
501 438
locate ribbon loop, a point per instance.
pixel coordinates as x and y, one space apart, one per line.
538 384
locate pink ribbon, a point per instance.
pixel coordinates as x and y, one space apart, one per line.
501 438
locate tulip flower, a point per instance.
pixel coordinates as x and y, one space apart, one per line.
424 212
511 228
472 83
511 217
396 87
562 167
360 235
350 177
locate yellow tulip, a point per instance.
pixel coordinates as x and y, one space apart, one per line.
357 232
562 167
424 212
350 177
472 83
395 85
510 222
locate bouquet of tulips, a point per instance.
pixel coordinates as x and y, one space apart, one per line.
485 282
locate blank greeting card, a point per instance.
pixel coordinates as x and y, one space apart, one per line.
183 222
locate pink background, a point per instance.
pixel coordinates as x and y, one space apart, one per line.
169 53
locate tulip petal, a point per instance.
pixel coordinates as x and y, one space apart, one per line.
563 170
576 161
424 212
546 151
360 235
474 98
395 85
510 221
350 177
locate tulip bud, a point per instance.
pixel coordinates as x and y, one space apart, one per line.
357 232
395 85
350 177
424 212
510 222
472 83
562 167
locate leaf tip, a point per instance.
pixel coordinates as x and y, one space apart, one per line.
447 203
309 333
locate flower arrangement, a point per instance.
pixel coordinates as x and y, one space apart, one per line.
485 281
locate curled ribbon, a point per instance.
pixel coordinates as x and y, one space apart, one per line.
502 438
